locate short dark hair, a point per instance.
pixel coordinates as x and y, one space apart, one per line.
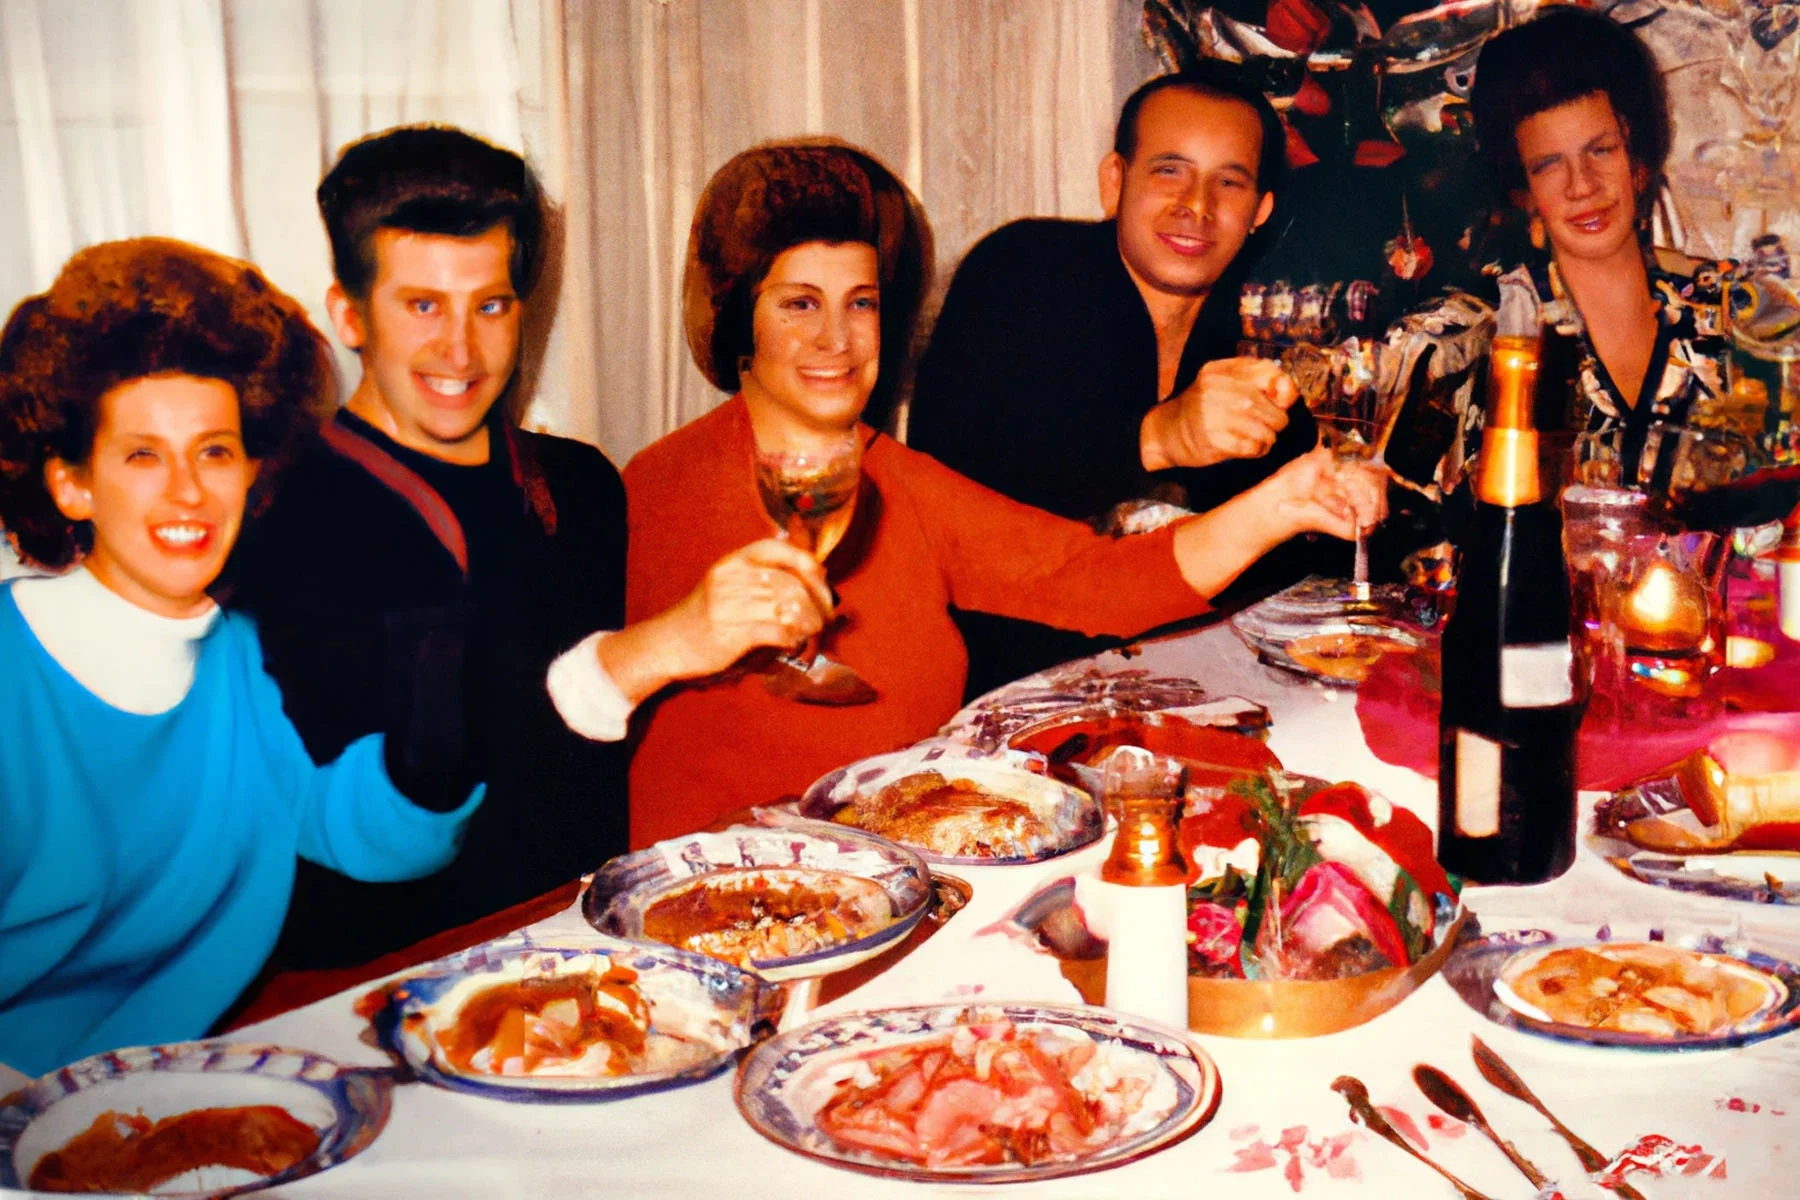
774 197
122 311
428 179
1561 56
1225 81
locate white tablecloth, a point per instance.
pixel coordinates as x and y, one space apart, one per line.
1279 1124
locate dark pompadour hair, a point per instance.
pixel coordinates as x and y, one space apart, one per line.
428 179
774 197
123 311
1213 77
1564 55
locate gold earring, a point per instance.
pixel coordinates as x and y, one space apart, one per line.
1538 237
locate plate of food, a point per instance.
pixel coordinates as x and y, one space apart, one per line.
1077 745
1724 821
1687 992
803 899
958 1093
189 1119
992 720
957 806
1306 629
518 1020
1312 908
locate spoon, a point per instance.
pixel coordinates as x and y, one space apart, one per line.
1356 1094
819 681
1449 1096
1495 1071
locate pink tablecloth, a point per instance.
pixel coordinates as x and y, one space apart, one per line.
1397 707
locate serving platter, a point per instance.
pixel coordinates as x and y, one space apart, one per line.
1484 970
785 1083
1307 630
1649 831
349 1106
625 889
701 1014
992 720
1070 817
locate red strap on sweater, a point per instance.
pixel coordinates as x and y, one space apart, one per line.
404 482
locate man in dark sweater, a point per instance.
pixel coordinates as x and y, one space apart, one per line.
1078 366
425 527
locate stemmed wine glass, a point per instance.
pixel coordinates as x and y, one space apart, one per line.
807 493
1351 390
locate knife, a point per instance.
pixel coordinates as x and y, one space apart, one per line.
1494 1069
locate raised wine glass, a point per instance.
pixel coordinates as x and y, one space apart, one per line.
807 492
1353 394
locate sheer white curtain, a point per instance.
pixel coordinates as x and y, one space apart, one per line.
989 111
212 120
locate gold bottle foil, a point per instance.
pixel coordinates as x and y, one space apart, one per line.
1507 474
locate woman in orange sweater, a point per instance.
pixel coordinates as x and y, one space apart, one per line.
806 266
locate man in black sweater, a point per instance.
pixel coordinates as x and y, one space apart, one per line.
1078 366
426 530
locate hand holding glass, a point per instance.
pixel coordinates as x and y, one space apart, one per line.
807 493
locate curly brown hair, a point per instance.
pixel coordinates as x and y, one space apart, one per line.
122 311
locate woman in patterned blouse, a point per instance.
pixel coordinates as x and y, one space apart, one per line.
1574 125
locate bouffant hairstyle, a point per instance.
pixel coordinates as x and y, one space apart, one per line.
774 197
123 311
1560 56
428 179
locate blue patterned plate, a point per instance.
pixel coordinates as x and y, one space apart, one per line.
348 1105
624 889
1482 968
784 1083
701 1013
1070 817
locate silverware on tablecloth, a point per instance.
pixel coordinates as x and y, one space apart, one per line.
1356 1094
1449 1096
1494 1069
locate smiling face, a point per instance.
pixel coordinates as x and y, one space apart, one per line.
164 488
1187 198
816 329
439 338
1580 177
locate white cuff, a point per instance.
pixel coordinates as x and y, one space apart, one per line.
585 696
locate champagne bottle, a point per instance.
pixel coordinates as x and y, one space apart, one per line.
1511 702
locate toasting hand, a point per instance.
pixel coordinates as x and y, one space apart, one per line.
1235 408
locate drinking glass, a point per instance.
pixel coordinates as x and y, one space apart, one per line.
1354 396
807 492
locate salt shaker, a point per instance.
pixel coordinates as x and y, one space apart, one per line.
1141 894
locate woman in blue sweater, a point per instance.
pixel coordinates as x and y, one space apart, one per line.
153 796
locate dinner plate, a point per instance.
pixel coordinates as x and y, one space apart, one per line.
784 1083
1479 968
1759 877
1071 815
702 1013
348 1105
991 721
1307 630
624 889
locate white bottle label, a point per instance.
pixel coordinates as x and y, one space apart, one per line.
1477 785
1539 675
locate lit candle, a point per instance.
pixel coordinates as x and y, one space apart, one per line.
1664 611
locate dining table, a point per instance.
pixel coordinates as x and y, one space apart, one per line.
1716 1122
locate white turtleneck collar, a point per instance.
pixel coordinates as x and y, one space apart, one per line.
129 657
